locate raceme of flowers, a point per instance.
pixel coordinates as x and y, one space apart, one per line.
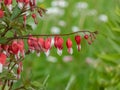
16 47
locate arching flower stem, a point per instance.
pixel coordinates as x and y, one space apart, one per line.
41 35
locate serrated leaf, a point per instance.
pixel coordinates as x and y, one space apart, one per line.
7 75
29 27
2 26
3 40
16 12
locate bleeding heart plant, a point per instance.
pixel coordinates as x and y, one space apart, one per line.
13 19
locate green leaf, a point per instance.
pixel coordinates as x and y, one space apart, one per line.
110 57
16 12
2 26
7 75
3 40
29 27
36 85
116 30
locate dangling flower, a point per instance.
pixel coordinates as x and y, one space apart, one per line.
5 49
2 61
1 13
58 43
39 46
15 49
26 2
19 70
78 41
34 2
32 43
8 3
21 47
69 45
34 17
21 3
41 43
47 46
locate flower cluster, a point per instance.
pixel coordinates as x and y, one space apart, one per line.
16 47
25 6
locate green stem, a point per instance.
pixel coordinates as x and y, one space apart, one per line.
3 88
67 34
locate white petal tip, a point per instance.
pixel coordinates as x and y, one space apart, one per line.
70 51
1 68
59 52
38 54
47 53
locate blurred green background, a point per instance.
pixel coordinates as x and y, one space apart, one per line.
96 66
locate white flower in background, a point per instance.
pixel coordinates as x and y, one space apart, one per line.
55 30
55 11
59 3
75 28
92 12
75 13
62 23
67 58
82 5
103 18
89 60
52 59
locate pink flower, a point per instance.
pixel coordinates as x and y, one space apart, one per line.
69 45
7 2
21 3
32 4
47 46
78 41
2 61
19 70
5 49
41 43
21 47
1 13
58 43
15 47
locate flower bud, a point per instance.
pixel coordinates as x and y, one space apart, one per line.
34 17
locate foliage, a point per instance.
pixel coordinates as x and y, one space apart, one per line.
95 67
